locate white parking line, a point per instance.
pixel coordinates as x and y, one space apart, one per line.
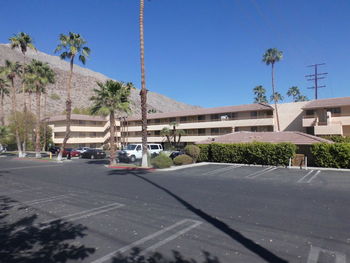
43 200
26 167
85 213
306 175
195 223
227 168
259 174
21 191
313 177
315 252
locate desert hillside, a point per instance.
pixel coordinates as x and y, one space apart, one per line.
84 81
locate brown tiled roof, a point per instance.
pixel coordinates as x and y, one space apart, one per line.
295 137
326 103
204 111
76 117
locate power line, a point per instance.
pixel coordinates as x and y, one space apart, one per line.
315 77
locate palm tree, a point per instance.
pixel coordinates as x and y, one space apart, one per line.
172 134
38 74
295 93
71 46
271 56
260 94
4 91
143 92
23 41
12 70
110 97
276 97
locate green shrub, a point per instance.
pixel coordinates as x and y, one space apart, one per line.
161 161
335 155
192 151
337 138
204 154
248 153
55 96
183 159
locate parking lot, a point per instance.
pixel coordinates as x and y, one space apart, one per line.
81 211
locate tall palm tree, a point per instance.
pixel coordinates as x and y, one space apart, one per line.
271 56
70 47
143 92
12 70
295 93
23 41
111 96
39 75
260 94
4 91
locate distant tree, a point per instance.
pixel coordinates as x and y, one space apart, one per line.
39 75
295 93
71 46
260 94
172 134
4 91
152 111
276 97
12 70
111 96
271 56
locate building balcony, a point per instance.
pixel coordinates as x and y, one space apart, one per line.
309 121
80 129
79 140
331 129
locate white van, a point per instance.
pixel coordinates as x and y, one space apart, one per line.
134 151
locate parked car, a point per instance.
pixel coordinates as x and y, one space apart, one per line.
66 151
175 154
133 152
93 154
54 149
82 149
74 153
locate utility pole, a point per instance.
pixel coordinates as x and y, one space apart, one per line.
315 77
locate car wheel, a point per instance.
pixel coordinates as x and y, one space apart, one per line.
92 156
132 158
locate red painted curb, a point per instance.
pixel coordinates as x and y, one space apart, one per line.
131 168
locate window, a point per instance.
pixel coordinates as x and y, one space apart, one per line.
269 113
214 130
254 129
253 113
201 131
183 119
154 147
201 117
157 121
172 119
237 129
156 133
310 112
138 148
214 116
334 110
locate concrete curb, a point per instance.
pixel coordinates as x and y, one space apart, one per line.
251 165
129 168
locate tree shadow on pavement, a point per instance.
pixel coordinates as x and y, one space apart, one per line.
260 251
24 240
136 256
101 161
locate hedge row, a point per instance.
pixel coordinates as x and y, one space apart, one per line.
335 155
248 153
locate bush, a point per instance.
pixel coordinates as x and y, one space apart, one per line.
204 153
248 153
183 159
161 161
192 151
55 96
337 138
335 155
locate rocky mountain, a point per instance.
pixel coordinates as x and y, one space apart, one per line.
84 81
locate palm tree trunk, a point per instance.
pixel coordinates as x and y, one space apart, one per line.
25 137
68 110
14 112
37 127
45 124
112 138
30 101
273 92
143 92
2 115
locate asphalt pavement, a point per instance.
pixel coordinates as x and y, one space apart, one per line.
81 211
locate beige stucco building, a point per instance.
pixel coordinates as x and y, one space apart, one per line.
206 123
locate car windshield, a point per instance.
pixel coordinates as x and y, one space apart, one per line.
131 147
68 149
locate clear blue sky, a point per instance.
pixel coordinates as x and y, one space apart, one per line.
201 52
